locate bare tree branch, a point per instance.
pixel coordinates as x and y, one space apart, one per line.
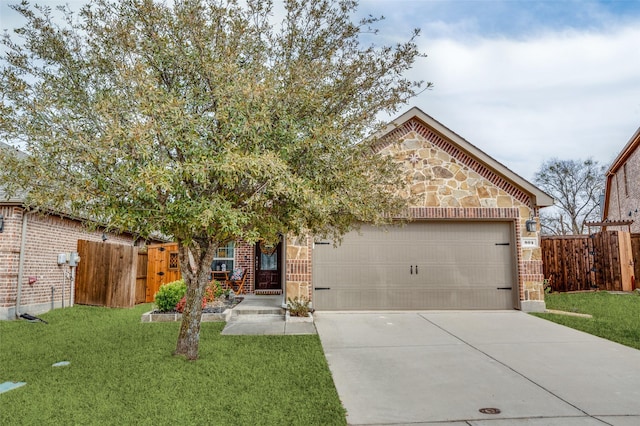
576 186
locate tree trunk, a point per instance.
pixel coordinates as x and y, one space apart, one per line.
195 265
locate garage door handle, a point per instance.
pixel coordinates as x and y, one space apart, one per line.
411 269
504 288
322 288
416 269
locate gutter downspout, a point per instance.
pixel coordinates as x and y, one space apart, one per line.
23 243
72 285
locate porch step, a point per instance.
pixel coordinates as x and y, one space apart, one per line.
256 318
267 292
258 310
257 314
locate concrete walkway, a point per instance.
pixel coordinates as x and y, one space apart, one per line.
264 315
477 368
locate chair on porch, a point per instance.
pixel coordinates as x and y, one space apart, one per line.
220 276
237 279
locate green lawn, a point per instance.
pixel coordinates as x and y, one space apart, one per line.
615 316
122 373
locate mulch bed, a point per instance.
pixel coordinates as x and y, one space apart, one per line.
217 307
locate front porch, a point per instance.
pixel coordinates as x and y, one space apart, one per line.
265 315
255 315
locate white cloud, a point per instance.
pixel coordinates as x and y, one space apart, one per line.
569 94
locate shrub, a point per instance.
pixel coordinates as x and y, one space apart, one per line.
298 307
214 291
211 293
169 295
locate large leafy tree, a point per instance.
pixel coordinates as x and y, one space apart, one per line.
203 120
576 186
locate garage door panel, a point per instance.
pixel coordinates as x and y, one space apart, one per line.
461 265
435 298
372 274
469 276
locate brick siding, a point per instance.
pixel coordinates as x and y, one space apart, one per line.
244 258
621 202
47 236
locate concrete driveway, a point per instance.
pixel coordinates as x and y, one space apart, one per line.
431 367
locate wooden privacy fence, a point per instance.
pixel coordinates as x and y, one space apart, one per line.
600 261
141 278
106 274
635 251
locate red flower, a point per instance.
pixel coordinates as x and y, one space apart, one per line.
181 304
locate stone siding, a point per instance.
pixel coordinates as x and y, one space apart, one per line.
442 182
298 268
414 143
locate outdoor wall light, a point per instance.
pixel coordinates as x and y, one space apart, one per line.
530 225
1 223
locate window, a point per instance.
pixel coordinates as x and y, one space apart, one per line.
223 259
174 260
626 183
269 262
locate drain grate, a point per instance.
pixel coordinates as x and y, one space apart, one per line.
489 410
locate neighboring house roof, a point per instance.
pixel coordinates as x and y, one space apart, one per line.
540 198
5 199
620 160
19 200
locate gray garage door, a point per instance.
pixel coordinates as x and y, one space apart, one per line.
422 265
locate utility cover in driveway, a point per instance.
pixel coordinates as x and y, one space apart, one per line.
422 265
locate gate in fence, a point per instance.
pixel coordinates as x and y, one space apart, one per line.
163 267
600 261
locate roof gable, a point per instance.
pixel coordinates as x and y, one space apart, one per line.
624 155
415 120
626 152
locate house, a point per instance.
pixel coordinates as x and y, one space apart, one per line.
472 241
31 280
622 190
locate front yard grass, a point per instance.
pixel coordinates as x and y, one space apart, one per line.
122 372
616 317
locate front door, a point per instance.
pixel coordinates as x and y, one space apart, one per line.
268 267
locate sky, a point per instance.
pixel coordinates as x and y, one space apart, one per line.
525 81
